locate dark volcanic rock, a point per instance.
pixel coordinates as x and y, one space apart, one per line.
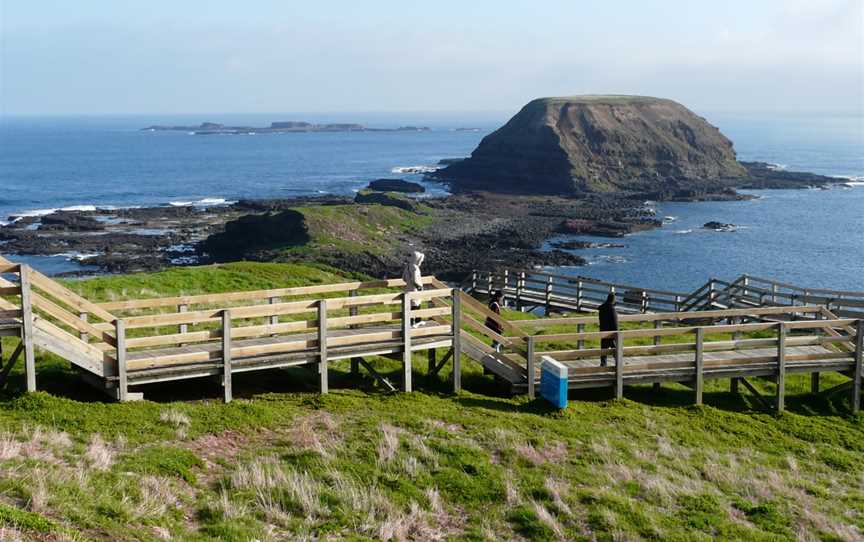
598 144
252 233
395 185
764 175
578 245
391 199
606 228
70 221
719 226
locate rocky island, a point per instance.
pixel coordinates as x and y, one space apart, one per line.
280 127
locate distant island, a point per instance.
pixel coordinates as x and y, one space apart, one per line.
280 127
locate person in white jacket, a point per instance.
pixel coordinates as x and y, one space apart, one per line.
413 278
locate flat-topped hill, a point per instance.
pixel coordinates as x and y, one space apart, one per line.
599 143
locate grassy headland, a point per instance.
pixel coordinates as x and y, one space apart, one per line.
284 463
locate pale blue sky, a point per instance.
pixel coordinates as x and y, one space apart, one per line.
191 56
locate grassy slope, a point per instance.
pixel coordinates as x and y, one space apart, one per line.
283 463
360 228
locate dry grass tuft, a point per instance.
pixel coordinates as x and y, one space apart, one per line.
317 433
178 420
157 496
39 495
554 453
10 448
558 489
99 455
389 444
547 519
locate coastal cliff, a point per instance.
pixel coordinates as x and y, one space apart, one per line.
600 144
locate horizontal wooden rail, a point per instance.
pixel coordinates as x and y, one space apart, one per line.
254 295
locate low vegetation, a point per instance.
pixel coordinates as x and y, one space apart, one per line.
284 463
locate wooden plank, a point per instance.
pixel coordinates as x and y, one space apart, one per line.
531 368
4 373
10 314
227 378
619 366
473 304
75 322
858 371
254 295
700 365
406 340
323 366
671 316
122 382
10 290
26 274
242 332
215 315
781 368
457 340
68 297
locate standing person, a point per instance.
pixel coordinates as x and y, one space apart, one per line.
608 322
413 278
491 323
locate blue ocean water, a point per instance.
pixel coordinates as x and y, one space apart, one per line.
810 237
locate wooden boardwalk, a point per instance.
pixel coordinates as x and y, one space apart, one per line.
122 346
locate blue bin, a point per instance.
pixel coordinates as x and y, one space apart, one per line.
553 381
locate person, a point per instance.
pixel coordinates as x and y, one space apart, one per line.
491 323
608 322
413 278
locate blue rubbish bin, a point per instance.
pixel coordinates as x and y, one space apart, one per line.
553 381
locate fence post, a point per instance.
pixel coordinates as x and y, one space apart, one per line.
406 341
858 372
578 296
531 371
700 362
122 383
580 344
677 303
644 301
505 284
474 281
27 328
548 295
323 369
457 341
273 319
773 293
658 324
182 328
781 367
227 379
520 284
746 283
83 335
619 366
490 278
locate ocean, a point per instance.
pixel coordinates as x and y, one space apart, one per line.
809 237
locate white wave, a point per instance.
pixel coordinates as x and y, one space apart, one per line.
33 213
77 256
203 202
682 232
776 167
850 178
415 169
670 218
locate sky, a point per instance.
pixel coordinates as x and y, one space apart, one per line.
258 56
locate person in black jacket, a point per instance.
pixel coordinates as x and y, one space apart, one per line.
608 322
491 323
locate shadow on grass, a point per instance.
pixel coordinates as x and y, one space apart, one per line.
60 380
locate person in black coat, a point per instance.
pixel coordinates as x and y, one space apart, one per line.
491 323
608 322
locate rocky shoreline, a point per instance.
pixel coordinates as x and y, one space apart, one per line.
459 232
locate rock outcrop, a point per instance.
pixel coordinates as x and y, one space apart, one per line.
599 144
396 185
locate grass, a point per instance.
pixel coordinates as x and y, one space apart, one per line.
375 229
284 463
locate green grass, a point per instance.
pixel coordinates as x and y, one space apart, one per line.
284 463
360 228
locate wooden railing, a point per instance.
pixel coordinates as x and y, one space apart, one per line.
708 332
536 288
